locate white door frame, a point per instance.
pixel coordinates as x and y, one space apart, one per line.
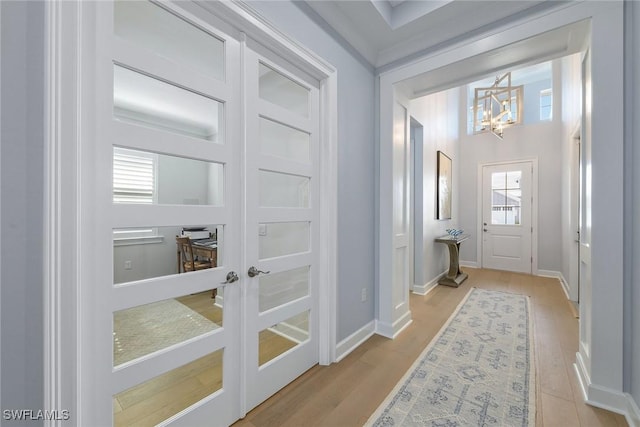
68 88
534 210
602 371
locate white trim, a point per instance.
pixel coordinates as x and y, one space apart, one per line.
353 341
429 286
470 264
606 398
392 330
633 412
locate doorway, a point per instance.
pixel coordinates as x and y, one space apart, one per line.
202 298
507 216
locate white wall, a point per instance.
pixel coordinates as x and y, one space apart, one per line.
438 114
356 153
542 140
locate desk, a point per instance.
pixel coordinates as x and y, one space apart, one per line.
205 251
454 276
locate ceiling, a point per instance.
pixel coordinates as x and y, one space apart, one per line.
385 31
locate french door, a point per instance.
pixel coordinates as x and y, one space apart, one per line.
199 133
507 217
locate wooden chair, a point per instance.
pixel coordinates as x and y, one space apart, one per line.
187 261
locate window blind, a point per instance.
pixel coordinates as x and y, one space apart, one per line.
133 176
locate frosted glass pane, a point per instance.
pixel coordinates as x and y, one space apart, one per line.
160 398
148 252
282 141
142 177
498 180
153 28
282 337
283 190
282 91
283 238
281 288
146 101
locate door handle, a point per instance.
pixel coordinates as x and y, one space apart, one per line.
252 272
485 230
231 277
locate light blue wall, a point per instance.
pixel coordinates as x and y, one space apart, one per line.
632 214
355 158
22 204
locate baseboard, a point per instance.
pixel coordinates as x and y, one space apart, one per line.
427 287
633 412
470 264
392 330
354 340
606 398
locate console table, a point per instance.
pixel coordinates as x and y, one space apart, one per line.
454 276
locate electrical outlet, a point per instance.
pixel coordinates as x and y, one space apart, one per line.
127 265
363 294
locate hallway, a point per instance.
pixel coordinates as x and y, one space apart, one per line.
347 393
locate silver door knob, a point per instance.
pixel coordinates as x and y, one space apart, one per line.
231 277
252 272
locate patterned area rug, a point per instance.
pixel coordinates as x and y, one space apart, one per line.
478 370
142 330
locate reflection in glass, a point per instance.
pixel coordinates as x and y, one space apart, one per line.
150 178
280 190
148 252
282 337
283 238
283 141
162 397
282 91
153 28
145 329
506 198
280 288
144 100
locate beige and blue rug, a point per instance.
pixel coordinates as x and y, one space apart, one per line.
478 370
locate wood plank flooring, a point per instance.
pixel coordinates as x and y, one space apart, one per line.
347 393
154 401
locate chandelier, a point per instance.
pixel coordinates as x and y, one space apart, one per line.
497 107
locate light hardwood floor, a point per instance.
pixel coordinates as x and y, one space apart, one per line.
347 393
154 401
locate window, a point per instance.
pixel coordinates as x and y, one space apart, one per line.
506 198
134 181
133 176
546 104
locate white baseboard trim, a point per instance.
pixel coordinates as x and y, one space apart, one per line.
427 287
470 264
606 398
633 412
354 340
392 330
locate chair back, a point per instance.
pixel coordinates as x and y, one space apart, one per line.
185 254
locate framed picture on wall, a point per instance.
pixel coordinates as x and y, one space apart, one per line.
443 203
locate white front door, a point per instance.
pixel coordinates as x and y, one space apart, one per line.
188 336
507 216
